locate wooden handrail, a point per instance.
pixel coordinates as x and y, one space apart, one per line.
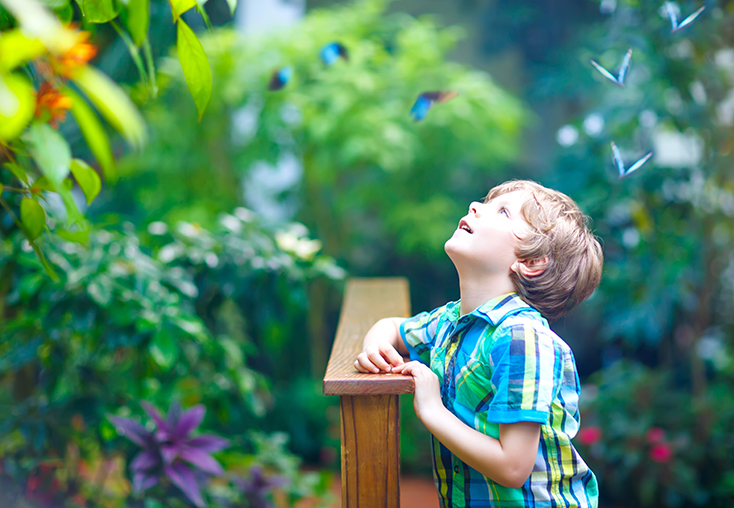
370 453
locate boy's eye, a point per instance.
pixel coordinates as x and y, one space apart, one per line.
504 211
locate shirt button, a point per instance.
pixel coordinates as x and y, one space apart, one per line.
457 469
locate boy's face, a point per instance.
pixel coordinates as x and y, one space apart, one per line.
487 237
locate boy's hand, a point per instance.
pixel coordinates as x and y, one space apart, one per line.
427 398
378 358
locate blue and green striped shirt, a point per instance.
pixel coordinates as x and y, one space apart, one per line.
506 366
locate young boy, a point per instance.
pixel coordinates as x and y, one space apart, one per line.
497 389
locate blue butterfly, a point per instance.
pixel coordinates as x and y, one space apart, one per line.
620 165
619 79
425 102
332 51
674 18
280 78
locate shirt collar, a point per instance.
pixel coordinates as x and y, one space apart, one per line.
495 310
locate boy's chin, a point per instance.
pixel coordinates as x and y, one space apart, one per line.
453 248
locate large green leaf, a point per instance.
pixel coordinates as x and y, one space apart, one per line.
113 103
178 7
18 171
163 349
50 151
94 133
17 103
99 11
87 178
138 19
16 49
33 217
195 65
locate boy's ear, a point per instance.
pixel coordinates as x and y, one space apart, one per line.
530 267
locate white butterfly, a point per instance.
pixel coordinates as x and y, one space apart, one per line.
620 165
674 18
619 79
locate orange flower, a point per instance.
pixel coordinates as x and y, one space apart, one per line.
51 105
75 57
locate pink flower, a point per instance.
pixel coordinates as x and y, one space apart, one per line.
655 435
590 435
661 452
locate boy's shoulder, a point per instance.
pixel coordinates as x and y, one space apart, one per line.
523 326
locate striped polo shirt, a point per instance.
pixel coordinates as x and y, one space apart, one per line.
504 365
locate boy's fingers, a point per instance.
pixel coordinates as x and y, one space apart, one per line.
377 359
363 364
393 357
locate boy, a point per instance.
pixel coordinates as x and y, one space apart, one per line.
497 389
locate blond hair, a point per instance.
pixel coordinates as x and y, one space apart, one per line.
560 231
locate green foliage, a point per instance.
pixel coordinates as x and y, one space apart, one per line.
654 445
372 178
154 317
667 228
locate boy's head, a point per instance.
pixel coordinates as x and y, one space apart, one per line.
554 260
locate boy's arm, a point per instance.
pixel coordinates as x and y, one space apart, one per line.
383 347
507 461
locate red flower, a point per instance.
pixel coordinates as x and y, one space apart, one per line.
661 452
655 435
590 435
51 105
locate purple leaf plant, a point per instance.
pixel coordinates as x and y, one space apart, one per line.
172 451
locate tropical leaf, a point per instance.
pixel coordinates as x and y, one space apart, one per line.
17 103
195 65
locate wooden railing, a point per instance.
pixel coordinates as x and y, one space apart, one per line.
370 451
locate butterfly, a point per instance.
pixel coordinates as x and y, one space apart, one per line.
619 79
674 19
332 51
280 78
620 165
425 102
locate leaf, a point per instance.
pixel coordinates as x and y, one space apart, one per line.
190 420
65 13
195 65
2 188
18 171
87 178
184 479
17 104
50 151
16 49
232 6
202 460
163 349
93 133
178 7
99 11
113 103
33 217
43 184
138 19
132 430
81 237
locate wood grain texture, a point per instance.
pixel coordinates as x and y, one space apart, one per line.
366 301
370 451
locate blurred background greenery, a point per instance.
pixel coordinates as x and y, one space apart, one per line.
210 267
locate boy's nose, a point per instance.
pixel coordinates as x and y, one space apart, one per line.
474 207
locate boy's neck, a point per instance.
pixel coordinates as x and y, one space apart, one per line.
476 291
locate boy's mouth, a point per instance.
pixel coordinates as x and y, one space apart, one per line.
465 226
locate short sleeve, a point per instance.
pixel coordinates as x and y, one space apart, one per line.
419 334
527 369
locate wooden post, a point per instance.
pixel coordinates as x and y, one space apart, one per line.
370 452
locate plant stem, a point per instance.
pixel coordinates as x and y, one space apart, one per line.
134 52
151 67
